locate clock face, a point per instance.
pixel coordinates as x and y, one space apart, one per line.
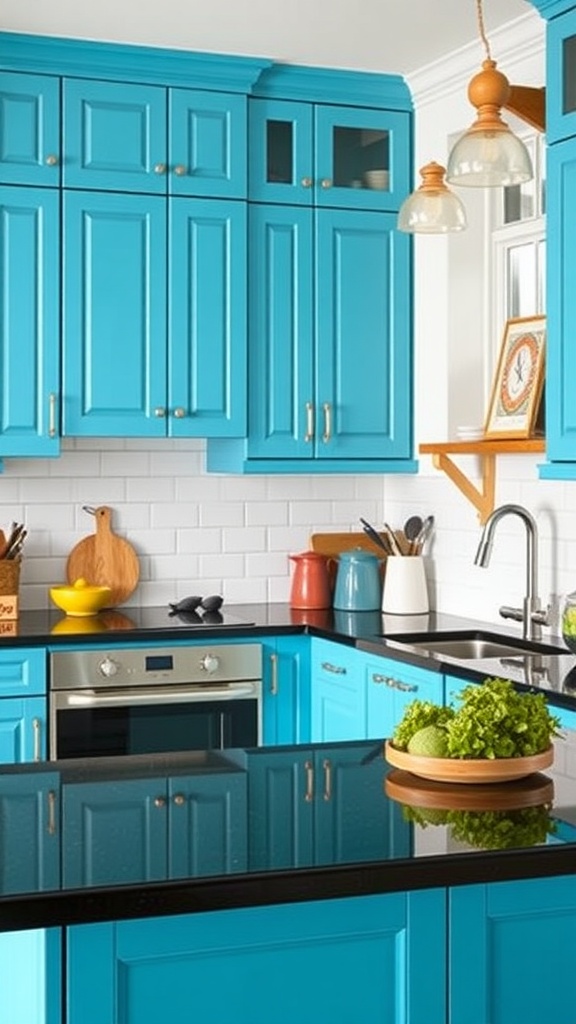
519 371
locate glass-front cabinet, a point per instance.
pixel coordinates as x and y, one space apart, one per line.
561 76
324 155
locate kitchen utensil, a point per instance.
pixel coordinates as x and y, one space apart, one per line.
358 587
396 549
372 533
80 599
412 528
311 586
425 532
105 559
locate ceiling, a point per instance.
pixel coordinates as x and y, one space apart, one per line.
395 36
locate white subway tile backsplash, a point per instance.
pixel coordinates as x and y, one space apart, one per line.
267 513
222 514
248 538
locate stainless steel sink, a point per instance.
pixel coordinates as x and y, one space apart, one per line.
474 645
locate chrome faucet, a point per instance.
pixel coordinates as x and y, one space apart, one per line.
531 615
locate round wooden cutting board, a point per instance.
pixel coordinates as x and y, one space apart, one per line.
105 559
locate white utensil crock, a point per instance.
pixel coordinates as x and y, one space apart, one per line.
405 589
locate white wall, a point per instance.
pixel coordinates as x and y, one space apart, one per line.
201 533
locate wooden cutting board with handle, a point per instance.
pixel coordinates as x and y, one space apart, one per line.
105 559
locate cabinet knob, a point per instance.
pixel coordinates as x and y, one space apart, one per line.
326 183
159 411
159 168
179 412
307 182
159 801
180 170
179 799
51 160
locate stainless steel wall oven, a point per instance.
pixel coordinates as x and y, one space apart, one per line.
115 701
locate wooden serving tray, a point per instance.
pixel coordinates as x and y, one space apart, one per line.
462 770
531 791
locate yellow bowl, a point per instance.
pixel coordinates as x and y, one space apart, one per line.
80 598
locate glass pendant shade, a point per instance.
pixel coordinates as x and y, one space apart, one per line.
489 154
432 208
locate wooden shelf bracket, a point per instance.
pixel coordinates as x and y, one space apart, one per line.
483 500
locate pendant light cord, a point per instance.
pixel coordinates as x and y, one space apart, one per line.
482 30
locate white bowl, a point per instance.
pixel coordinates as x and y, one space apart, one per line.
377 178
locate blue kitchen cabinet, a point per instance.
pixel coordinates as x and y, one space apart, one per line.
390 687
379 958
338 697
30 338
29 129
311 807
153 829
492 929
153 347
131 137
329 297
23 711
29 832
286 690
326 155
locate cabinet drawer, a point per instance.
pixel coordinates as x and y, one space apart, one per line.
22 672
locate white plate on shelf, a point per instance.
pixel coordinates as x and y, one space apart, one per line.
470 433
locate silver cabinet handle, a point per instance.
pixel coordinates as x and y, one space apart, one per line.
327 766
309 769
326 182
327 435
180 170
397 684
51 414
159 168
159 801
51 826
337 670
307 182
159 412
179 412
273 674
309 422
51 160
37 738
179 799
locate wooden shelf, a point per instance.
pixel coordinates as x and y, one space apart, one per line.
483 500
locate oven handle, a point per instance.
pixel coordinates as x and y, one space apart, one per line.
159 695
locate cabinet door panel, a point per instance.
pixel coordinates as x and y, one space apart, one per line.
114 315
207 143
207 829
29 129
391 686
281 156
23 729
114 136
363 360
281 809
561 76
207 343
286 690
30 339
116 833
281 411
22 672
29 815
489 927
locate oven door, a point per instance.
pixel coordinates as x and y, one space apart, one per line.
110 723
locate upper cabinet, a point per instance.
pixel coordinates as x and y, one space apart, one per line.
29 129
143 138
560 245
323 155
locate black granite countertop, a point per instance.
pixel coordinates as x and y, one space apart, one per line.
366 843
372 632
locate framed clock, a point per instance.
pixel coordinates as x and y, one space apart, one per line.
515 408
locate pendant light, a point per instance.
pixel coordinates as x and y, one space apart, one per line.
433 208
489 154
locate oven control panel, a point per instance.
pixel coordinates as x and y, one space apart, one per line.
72 670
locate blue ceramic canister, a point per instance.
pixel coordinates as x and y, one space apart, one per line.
358 585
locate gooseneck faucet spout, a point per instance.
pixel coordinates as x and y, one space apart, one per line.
531 615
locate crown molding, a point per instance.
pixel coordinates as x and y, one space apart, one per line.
513 43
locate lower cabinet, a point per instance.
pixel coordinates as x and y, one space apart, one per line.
378 958
391 686
29 832
23 717
286 690
153 829
311 807
511 952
